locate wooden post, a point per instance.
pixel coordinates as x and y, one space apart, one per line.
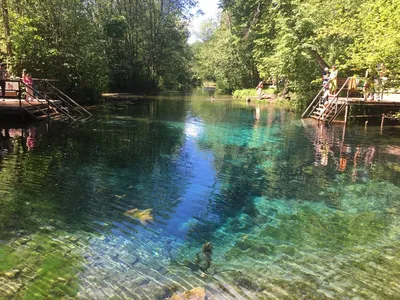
346 114
382 121
19 93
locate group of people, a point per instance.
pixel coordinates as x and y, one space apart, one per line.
26 79
374 82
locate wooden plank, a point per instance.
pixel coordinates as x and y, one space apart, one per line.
366 116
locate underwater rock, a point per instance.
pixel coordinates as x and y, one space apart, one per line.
12 274
128 258
174 254
47 228
204 258
140 281
23 241
21 232
9 289
143 216
195 294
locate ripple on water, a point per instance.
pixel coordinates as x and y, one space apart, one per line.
292 212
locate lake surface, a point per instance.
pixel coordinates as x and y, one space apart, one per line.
293 209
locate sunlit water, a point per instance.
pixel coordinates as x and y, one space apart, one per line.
293 209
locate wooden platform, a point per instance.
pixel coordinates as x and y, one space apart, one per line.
14 107
360 101
13 104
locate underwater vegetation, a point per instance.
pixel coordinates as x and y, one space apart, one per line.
204 258
40 266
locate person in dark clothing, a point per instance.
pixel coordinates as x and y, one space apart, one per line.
325 78
3 77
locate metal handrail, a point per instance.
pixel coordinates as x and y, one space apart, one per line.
69 99
312 103
55 99
48 101
68 103
335 97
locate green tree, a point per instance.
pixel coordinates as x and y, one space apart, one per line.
222 58
128 45
291 40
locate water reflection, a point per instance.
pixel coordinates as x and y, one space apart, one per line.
287 205
6 146
10 138
331 147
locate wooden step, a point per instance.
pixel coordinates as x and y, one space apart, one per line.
44 116
35 107
61 118
36 111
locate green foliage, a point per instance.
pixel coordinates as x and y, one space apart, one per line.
57 39
146 43
221 59
89 46
42 265
116 28
290 40
243 94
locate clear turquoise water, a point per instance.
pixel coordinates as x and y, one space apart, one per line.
294 210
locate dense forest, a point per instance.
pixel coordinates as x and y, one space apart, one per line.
289 41
97 45
136 46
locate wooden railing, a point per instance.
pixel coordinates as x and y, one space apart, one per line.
44 92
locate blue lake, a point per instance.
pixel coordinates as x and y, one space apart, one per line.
293 209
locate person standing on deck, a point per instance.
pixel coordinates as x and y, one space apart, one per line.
259 89
3 77
333 80
27 79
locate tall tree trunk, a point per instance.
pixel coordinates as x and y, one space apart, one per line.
318 58
6 23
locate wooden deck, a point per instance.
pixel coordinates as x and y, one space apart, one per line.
14 104
353 105
13 109
360 101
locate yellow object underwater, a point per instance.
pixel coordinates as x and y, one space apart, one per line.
143 216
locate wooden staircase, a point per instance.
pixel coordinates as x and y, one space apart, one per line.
44 112
49 103
326 110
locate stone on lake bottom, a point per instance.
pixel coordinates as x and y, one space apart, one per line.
12 274
195 294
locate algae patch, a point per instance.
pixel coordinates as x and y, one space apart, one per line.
42 268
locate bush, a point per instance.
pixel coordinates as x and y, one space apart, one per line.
242 94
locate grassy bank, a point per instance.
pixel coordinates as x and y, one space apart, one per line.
288 102
243 94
